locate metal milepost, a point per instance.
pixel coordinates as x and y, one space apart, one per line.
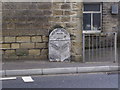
59 45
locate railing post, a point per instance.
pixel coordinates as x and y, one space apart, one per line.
115 46
83 47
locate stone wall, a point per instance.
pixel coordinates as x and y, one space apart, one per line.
119 27
26 28
109 21
66 15
0 33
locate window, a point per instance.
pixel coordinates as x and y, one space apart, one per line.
92 17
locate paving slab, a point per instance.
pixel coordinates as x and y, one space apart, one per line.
26 64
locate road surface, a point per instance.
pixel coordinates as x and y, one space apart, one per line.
93 80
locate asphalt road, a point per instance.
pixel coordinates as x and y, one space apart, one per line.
100 80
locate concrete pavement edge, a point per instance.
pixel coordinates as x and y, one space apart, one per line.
66 70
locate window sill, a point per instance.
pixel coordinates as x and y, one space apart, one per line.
92 31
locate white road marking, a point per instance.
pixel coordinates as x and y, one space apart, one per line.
27 79
8 78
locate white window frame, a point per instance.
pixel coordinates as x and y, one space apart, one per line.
93 31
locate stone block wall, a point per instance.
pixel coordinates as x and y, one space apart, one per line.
119 27
25 30
25 47
109 21
69 16
26 27
0 19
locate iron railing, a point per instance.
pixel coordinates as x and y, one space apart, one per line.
100 47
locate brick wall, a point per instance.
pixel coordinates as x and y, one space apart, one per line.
26 28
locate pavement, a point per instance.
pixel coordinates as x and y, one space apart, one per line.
29 67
